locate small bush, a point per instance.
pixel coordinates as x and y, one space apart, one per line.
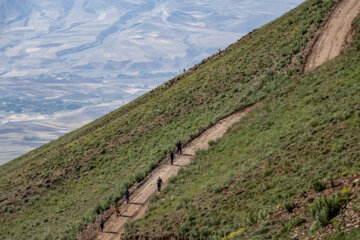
326 208
217 189
317 185
129 226
139 176
289 206
98 208
252 219
345 173
212 142
345 192
295 222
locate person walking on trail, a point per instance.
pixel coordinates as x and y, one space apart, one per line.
117 209
172 156
101 224
127 195
178 144
159 183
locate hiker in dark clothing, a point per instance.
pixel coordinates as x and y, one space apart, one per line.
127 195
101 224
172 156
178 144
159 183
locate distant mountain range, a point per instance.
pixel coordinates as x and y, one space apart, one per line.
103 38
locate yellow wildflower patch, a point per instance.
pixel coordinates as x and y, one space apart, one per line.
234 233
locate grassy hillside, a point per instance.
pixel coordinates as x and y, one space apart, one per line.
55 190
306 132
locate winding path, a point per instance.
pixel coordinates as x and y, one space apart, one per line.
140 197
334 35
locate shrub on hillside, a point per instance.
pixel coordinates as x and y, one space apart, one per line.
317 185
326 208
289 206
293 223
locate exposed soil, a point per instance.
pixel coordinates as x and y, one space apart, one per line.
335 34
141 193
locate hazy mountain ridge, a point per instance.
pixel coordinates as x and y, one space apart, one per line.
91 52
169 30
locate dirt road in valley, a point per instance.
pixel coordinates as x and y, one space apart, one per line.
140 197
334 35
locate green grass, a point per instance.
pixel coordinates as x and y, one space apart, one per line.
351 235
55 190
317 185
307 130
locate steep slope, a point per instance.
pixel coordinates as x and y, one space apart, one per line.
305 133
56 190
114 225
141 195
343 14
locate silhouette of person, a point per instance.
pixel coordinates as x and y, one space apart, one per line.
159 183
172 156
101 224
127 195
178 144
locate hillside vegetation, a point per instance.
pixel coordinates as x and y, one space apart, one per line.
55 190
304 134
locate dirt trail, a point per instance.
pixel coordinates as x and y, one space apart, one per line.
334 35
140 197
